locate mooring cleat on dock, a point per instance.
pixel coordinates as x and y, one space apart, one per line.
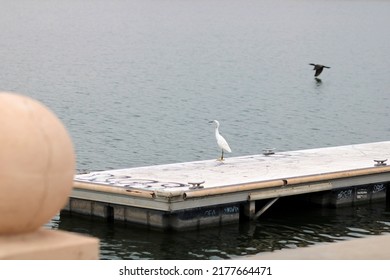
380 162
196 185
269 151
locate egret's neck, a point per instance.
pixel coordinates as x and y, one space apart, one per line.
216 130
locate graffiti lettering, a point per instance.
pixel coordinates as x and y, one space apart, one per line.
378 188
127 181
209 213
231 210
345 194
361 193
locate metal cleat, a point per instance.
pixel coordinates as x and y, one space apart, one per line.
380 162
196 185
269 151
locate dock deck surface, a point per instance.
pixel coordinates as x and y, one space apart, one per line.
244 169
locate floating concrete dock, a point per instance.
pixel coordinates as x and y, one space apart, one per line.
194 194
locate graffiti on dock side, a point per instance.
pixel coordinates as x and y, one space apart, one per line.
127 181
209 212
378 188
231 210
199 212
361 193
344 194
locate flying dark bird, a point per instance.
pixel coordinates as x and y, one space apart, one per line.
318 68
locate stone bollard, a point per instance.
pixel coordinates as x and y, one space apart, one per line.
37 165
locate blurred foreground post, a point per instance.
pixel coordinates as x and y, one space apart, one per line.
37 164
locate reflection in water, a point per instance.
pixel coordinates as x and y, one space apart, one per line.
318 81
277 229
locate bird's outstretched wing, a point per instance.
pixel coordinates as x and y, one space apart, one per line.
318 68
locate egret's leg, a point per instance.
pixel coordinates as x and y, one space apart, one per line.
222 155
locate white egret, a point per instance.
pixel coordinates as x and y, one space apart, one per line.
222 143
318 68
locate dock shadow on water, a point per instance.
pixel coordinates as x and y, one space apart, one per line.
281 227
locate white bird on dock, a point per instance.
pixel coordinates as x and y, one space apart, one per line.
222 143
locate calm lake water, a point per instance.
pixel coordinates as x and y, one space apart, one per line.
136 82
